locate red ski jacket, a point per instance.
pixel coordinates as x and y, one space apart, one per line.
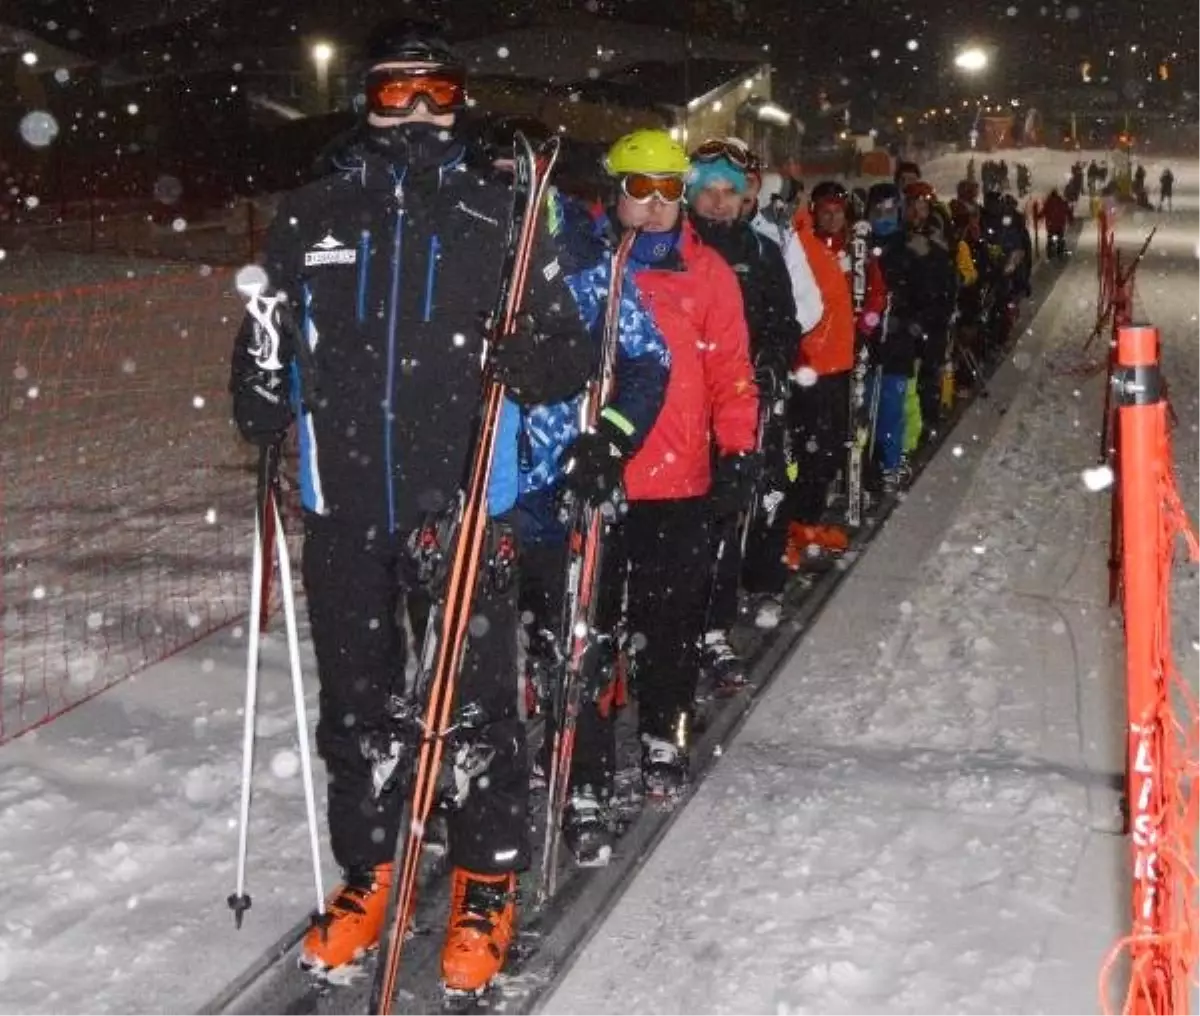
1056 213
697 306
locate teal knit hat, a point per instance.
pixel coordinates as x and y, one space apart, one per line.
704 174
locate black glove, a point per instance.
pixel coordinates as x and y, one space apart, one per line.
541 369
771 377
594 463
733 484
262 407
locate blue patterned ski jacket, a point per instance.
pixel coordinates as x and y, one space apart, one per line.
642 368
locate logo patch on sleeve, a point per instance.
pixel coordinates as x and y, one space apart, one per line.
329 251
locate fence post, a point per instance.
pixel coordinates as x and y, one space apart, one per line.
1137 392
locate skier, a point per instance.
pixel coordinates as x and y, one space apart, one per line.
1007 241
717 190
817 412
1024 179
590 466
671 483
773 222
1056 213
1139 186
1166 184
934 285
906 172
768 579
367 333
888 320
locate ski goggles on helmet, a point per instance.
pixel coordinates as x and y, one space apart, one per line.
394 91
645 187
730 149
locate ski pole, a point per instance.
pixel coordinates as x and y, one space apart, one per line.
268 458
293 640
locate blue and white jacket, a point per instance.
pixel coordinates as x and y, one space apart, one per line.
642 367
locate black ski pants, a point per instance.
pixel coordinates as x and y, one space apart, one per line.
932 351
658 561
762 568
819 418
357 581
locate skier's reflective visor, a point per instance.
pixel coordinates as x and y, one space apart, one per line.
395 91
645 187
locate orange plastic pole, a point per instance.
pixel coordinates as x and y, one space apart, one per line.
1141 431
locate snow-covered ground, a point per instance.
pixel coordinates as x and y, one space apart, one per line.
118 831
922 815
903 781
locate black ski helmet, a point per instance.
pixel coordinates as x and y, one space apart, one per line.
409 39
827 190
905 166
882 193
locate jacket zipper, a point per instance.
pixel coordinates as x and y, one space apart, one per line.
364 264
435 247
389 394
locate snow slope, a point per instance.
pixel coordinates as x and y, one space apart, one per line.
922 816
116 820
117 838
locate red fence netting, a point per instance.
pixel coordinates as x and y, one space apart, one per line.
126 499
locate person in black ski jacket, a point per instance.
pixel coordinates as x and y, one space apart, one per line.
933 284
364 327
715 190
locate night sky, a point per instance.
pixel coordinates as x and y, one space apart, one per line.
905 49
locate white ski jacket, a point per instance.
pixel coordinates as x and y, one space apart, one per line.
809 306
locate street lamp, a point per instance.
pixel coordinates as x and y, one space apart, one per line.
322 54
972 60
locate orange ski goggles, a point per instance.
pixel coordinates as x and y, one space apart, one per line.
396 91
645 187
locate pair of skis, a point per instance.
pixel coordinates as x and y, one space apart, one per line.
446 631
862 422
578 628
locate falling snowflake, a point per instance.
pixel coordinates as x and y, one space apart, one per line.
197 401
285 764
39 128
1098 478
805 377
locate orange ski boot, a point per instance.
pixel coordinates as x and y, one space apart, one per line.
831 539
483 910
355 914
